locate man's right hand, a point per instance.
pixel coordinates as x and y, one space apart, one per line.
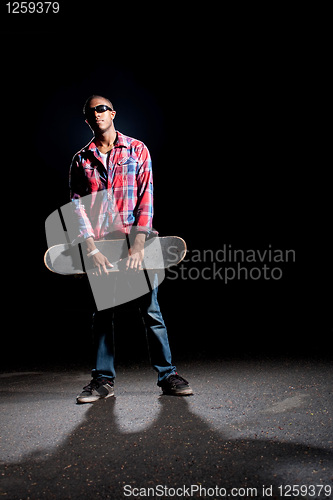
101 263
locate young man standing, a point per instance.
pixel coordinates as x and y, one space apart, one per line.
121 165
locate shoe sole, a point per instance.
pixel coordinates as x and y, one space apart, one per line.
91 399
182 392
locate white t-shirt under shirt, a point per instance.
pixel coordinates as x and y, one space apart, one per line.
105 157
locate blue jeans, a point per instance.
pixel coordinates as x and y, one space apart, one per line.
157 336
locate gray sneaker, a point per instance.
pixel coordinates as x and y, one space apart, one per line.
97 389
175 385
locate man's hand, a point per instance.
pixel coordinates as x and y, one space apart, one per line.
99 260
136 253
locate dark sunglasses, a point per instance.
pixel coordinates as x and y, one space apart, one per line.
101 108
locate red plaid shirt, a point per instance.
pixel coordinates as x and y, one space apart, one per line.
116 198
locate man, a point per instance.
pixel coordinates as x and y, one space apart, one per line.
97 167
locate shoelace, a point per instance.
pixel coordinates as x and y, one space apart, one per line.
177 379
94 384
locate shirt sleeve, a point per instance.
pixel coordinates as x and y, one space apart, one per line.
81 228
144 210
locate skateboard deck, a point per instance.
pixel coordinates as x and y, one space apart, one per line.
160 253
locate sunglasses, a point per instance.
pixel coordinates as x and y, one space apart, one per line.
101 108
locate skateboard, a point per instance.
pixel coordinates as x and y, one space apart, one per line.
160 253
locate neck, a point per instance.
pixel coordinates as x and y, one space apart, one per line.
106 140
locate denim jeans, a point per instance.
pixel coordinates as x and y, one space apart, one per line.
157 336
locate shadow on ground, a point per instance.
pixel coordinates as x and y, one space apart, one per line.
178 449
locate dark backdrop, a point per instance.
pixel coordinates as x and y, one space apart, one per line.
218 109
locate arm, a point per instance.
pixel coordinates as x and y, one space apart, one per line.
143 211
84 230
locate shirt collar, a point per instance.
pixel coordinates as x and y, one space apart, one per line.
120 143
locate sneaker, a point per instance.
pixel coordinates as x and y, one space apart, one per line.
97 389
175 385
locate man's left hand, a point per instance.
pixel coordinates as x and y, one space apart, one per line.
136 253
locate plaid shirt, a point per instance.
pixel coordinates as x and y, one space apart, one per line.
115 198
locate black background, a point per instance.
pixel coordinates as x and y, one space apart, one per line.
216 98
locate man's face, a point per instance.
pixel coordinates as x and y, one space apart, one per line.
100 122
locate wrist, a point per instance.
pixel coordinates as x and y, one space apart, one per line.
90 244
93 252
140 238
139 242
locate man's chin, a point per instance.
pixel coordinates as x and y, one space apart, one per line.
100 128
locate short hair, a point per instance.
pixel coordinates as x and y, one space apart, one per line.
86 104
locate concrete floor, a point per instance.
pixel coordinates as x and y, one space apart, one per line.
251 425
